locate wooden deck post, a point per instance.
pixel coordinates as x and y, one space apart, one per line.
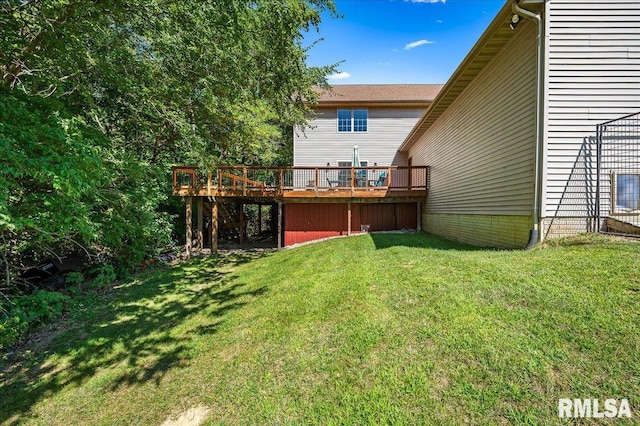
244 181
187 244
353 184
348 218
419 218
241 215
200 223
214 227
259 219
279 224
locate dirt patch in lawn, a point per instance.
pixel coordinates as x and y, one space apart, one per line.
192 417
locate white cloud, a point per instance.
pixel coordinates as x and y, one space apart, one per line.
415 44
426 1
439 21
339 75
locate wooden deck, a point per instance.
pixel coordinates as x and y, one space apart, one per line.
303 183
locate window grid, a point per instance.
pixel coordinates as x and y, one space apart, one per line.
344 120
352 120
360 120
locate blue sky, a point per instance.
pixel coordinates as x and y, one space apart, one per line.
400 41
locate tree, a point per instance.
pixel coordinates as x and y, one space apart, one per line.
100 97
214 75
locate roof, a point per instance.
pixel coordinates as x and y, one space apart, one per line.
490 43
378 94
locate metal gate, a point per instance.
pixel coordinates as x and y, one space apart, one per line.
618 176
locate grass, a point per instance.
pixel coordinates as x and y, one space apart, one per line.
375 329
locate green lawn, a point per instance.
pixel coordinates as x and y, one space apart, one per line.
374 329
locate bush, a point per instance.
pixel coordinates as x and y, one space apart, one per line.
105 275
74 278
28 311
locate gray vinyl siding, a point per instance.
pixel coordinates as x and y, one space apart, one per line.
321 143
481 149
593 76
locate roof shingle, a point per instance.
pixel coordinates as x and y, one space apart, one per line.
378 93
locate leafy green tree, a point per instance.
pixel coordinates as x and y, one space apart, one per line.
99 98
203 79
66 188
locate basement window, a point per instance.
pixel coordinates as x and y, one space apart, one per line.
626 193
352 120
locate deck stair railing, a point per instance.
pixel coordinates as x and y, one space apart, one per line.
229 217
187 176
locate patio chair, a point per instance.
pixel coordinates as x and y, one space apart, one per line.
332 183
361 177
382 179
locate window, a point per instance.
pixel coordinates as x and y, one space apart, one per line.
344 120
348 163
344 175
626 193
359 120
352 120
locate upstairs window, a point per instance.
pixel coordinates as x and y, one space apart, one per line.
344 120
352 120
359 120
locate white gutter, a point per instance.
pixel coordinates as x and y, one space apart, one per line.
535 235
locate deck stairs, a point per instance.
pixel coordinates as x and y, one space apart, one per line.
229 222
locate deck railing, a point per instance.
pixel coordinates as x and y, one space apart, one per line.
265 181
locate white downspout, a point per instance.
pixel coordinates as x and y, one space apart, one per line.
534 235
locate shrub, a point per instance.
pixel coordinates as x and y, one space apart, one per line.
105 275
28 311
74 278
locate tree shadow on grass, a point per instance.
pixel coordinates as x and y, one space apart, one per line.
384 240
136 334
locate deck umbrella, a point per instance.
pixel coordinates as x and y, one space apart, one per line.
356 162
356 156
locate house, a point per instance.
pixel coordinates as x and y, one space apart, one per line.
375 117
513 149
511 139
348 175
374 120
